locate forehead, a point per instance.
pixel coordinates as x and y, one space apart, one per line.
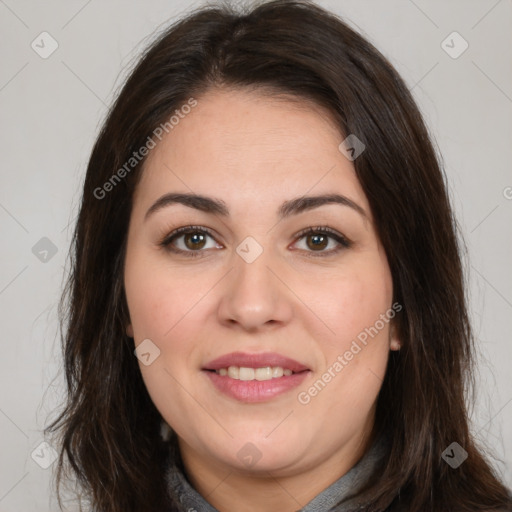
245 146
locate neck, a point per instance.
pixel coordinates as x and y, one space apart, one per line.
229 489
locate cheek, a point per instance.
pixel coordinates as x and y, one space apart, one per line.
158 297
163 305
161 308
355 356
351 301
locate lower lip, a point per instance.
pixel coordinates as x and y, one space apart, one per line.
255 390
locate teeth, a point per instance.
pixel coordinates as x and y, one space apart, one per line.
246 373
277 371
234 372
243 373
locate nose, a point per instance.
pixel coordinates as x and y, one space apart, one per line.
256 295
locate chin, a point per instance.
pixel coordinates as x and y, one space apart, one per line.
256 454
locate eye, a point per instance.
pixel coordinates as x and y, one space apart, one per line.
318 238
194 239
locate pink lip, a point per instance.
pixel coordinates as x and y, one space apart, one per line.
255 390
255 361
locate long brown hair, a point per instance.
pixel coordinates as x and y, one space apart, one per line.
109 429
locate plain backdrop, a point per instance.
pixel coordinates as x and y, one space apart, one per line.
52 108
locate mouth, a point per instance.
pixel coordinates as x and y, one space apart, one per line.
255 377
264 373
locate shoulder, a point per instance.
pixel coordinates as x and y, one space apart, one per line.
398 508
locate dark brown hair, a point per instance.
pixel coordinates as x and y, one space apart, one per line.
109 428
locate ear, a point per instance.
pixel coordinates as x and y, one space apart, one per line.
394 345
394 342
129 330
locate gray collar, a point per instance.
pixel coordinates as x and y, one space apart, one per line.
338 497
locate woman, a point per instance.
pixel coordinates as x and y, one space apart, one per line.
266 262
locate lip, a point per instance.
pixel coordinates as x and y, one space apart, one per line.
253 391
255 361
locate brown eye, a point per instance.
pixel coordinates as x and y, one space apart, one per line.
194 240
317 241
189 241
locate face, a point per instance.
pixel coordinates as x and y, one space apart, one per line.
249 284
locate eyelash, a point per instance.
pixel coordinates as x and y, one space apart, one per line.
343 242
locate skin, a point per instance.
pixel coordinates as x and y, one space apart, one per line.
254 152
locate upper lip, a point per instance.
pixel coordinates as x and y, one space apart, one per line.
255 361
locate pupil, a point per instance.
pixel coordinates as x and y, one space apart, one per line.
195 238
317 241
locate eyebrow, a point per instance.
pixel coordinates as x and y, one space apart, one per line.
219 207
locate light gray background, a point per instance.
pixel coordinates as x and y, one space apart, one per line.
51 110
